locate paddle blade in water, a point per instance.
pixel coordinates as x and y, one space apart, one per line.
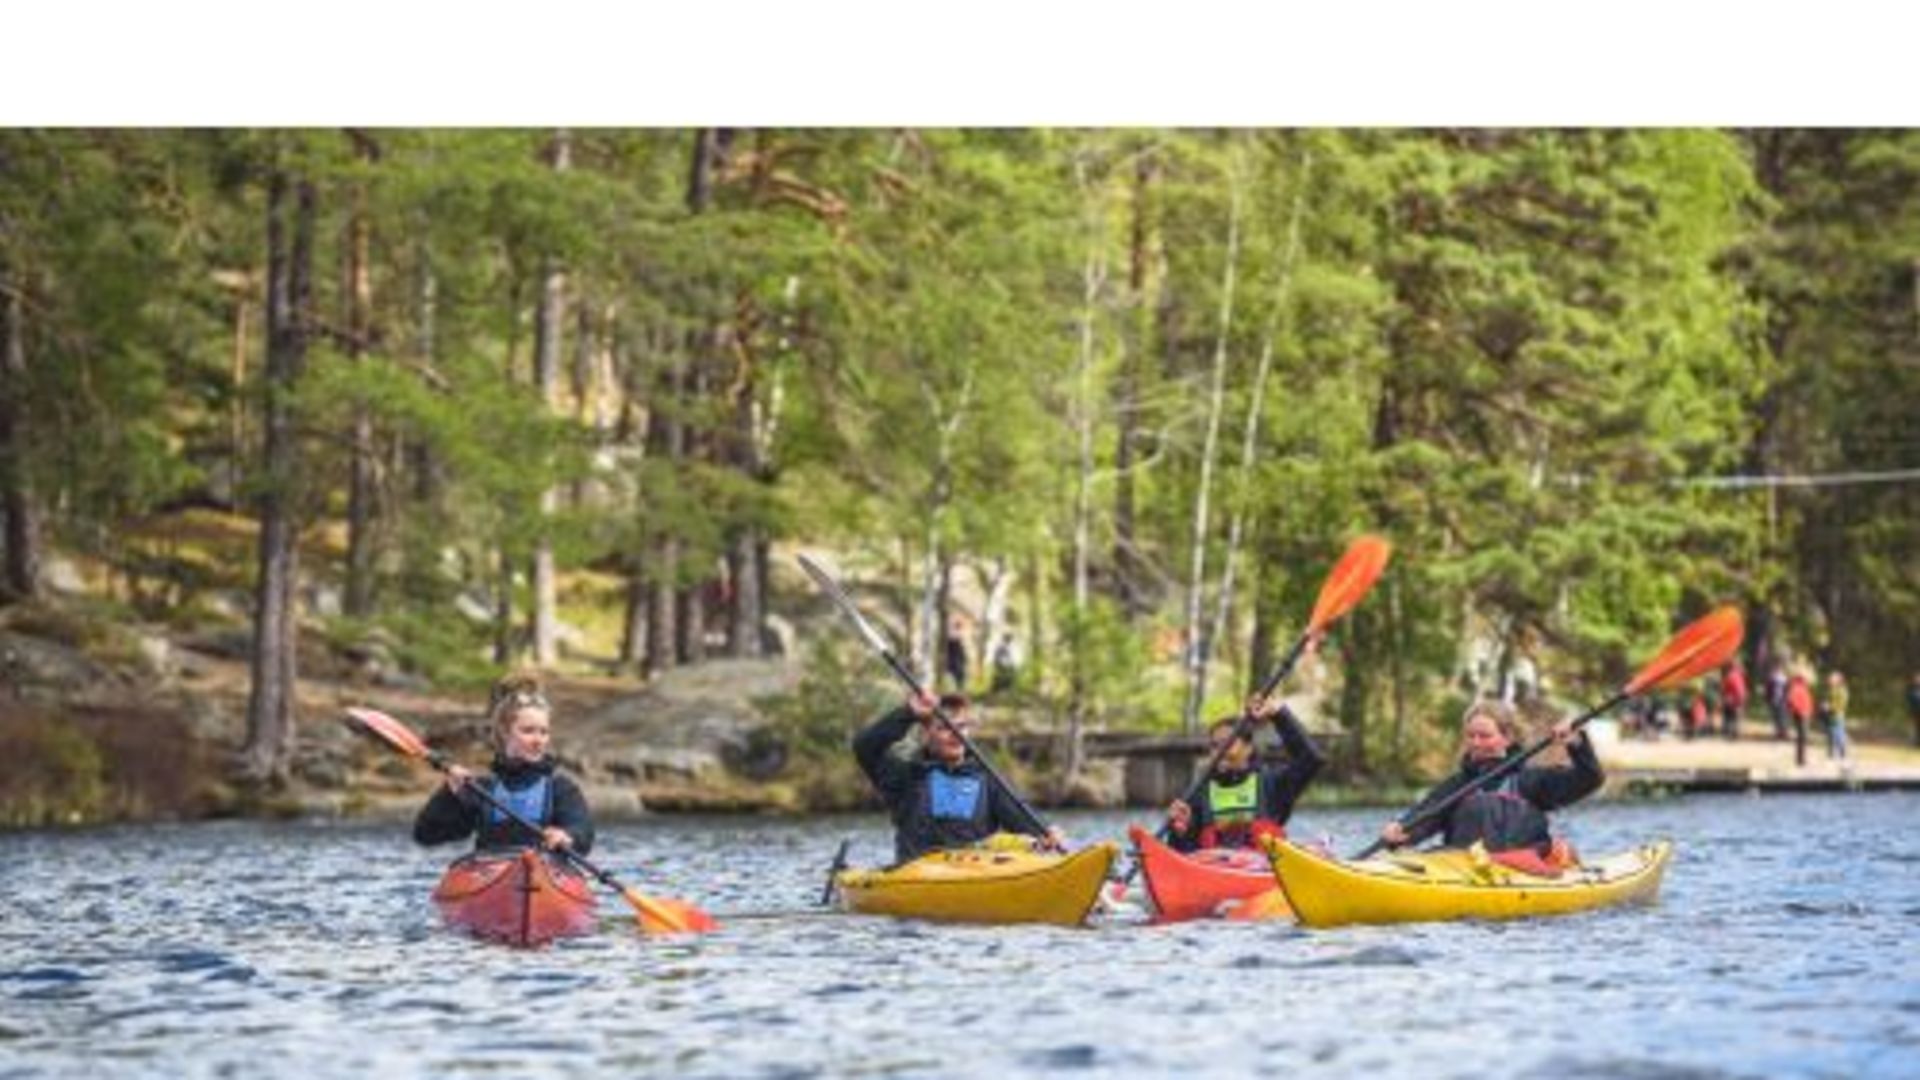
665 915
387 730
1268 905
1350 579
1699 648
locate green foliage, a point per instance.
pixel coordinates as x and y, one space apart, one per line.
1507 350
837 696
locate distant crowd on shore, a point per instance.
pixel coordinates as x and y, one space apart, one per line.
1796 698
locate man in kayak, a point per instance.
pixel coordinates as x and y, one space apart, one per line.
523 777
1241 803
1510 818
939 797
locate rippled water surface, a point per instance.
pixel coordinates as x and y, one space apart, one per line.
1786 943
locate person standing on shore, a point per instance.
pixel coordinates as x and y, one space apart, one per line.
1799 704
1833 714
1777 699
1733 698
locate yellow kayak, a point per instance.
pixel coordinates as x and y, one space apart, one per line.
983 885
1455 884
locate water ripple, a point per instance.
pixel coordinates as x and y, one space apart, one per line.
320 957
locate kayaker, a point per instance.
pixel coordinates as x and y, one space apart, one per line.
523 777
1511 818
1241 803
939 796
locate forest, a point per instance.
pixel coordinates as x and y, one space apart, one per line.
1101 404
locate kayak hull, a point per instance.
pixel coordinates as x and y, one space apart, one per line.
1453 884
1202 884
520 899
979 885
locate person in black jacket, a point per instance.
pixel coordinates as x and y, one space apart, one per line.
523 777
1241 803
940 797
1510 815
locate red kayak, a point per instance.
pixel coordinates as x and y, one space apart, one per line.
518 898
1204 884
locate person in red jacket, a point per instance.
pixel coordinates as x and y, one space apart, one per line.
1800 710
1697 712
1733 698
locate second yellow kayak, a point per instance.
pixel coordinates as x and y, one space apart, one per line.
983 885
1454 884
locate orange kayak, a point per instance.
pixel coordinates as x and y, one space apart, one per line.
1202 884
518 898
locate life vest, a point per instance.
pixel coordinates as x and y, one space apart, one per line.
1234 804
1799 699
1237 815
1733 689
954 796
533 802
1557 859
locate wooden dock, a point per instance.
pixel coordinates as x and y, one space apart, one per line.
1758 764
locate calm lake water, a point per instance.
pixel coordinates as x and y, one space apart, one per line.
1786 943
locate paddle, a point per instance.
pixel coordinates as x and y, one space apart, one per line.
656 915
833 873
874 640
1347 583
1700 647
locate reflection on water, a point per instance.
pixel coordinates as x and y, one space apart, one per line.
1785 944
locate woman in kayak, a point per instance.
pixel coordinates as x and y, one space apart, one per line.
523 778
1241 803
939 797
1511 816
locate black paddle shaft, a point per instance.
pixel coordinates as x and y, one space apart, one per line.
1242 728
1410 818
878 644
913 684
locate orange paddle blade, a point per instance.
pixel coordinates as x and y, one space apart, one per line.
664 915
1267 906
1350 579
1701 647
387 730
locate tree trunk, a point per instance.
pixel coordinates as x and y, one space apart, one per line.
1250 432
664 443
743 573
1196 643
663 627
1127 413
583 385
633 634
1093 277
546 378
676 629
1260 648
22 578
933 633
996 584
270 704
359 324
690 611
425 466
503 610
